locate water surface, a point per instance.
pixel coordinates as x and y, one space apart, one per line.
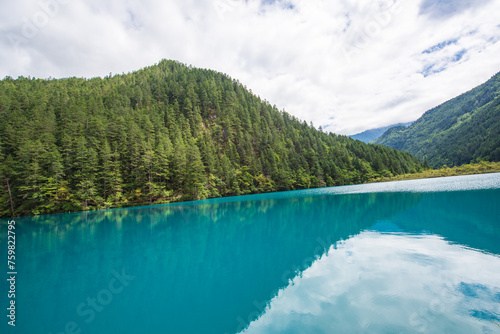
418 256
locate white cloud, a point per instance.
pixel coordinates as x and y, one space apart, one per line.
347 65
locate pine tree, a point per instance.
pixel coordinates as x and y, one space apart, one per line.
194 177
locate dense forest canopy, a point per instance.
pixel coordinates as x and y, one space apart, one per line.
463 130
165 133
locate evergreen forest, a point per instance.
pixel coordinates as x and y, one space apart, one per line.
166 133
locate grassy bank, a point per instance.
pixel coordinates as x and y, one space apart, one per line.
467 169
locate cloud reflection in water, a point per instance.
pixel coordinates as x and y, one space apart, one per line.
390 283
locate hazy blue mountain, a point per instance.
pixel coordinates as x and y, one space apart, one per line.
372 134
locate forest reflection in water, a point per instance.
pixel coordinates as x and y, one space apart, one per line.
217 266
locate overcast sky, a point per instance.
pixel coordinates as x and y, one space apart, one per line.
347 65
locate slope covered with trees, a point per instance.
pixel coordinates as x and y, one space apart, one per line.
462 130
165 133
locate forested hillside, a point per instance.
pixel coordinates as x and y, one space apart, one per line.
462 130
165 133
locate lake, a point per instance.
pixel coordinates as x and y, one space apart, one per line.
420 256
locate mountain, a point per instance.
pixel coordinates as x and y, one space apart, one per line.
462 130
370 135
165 133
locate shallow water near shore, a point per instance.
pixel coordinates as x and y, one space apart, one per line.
419 256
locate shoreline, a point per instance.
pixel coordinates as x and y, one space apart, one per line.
482 167
467 169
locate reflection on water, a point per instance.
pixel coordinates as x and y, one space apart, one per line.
220 266
390 283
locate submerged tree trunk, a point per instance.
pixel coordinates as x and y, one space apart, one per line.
10 197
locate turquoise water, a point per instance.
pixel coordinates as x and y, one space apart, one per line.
401 257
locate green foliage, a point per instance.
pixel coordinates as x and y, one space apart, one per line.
463 130
165 133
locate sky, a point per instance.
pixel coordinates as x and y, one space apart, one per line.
345 65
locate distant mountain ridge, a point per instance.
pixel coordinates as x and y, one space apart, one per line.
461 130
372 134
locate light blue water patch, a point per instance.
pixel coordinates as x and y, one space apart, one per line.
450 183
